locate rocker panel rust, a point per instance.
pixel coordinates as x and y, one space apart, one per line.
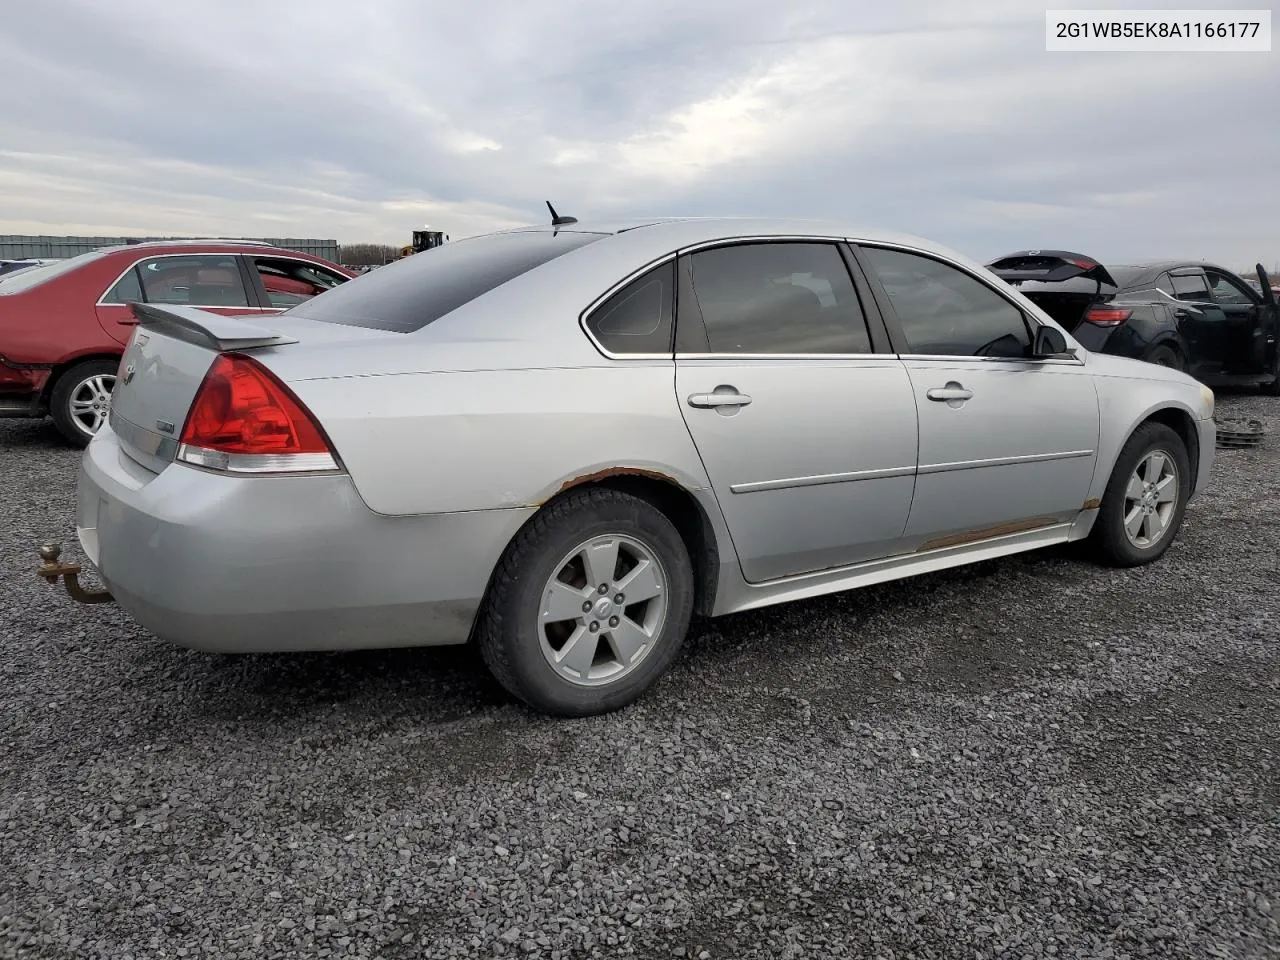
986 533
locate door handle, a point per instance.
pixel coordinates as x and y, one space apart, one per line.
952 391
718 399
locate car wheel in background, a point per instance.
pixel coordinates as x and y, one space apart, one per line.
1145 499
589 604
1166 357
81 399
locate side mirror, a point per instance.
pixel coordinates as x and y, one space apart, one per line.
1049 342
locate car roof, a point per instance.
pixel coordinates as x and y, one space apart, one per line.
676 232
1150 269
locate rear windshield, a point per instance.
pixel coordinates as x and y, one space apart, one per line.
1126 276
22 280
411 293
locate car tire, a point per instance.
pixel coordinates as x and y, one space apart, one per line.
81 400
1163 356
1128 491
565 666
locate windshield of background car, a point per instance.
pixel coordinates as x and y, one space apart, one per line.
409 294
21 281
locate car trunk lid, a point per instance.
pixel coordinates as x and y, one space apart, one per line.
167 358
1030 270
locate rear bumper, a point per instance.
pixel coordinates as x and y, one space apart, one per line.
21 389
248 564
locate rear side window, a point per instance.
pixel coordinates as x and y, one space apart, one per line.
1192 287
409 294
200 280
637 319
945 312
777 298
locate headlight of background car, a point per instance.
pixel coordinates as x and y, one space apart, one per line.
1206 399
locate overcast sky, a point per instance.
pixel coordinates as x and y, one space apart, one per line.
363 120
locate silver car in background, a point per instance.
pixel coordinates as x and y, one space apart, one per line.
561 442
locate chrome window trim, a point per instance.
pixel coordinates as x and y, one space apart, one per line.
786 356
967 271
599 301
964 358
101 301
585 315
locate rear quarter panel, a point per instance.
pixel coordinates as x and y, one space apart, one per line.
493 439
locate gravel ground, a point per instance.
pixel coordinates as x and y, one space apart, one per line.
1029 758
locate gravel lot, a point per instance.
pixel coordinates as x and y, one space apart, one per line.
1033 757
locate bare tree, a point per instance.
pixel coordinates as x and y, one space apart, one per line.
367 254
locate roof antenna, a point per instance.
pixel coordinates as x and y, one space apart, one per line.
556 219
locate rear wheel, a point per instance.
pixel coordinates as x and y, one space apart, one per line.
589 605
1145 499
81 400
1163 356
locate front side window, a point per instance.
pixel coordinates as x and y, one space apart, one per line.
1226 290
288 282
1191 287
778 298
638 318
943 311
197 280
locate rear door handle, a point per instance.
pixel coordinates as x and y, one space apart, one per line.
718 399
949 392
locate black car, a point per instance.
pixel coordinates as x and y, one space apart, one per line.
1191 315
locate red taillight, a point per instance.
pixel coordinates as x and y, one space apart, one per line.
243 419
1107 316
1083 264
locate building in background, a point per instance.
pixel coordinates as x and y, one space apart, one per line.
15 247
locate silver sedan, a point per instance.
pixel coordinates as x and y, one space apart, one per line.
562 442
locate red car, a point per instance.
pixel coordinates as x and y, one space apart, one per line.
64 325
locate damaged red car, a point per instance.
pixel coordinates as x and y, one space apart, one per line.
64 324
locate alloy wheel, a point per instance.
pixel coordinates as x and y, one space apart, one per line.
602 610
91 402
1151 499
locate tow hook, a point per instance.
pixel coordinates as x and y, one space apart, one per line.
52 570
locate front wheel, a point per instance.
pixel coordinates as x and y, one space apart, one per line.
589 605
81 400
1145 499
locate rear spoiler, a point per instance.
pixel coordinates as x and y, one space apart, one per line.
205 328
1049 266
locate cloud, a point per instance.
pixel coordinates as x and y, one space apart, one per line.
363 122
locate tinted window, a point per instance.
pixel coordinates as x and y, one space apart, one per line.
637 319
1163 282
409 294
1191 288
127 288
778 298
289 282
946 312
1225 290
199 280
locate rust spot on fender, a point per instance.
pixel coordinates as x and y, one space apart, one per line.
1093 503
986 533
611 472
